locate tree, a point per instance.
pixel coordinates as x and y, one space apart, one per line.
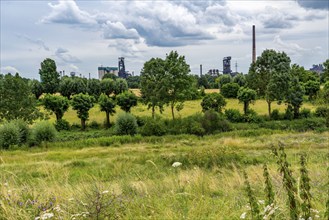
107 105
203 81
295 96
325 74
230 90
224 79
70 86
107 86
126 100
36 88
57 104
213 101
82 103
240 79
16 99
312 88
110 76
152 85
246 96
177 81
120 86
94 88
262 71
133 82
49 76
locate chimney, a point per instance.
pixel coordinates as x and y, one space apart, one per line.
253 44
200 70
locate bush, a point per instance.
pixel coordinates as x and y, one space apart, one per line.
321 111
213 101
212 122
305 113
62 124
23 129
289 114
230 90
126 124
43 132
233 115
94 125
9 135
193 125
252 117
275 115
153 127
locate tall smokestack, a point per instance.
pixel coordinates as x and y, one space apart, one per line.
200 70
253 44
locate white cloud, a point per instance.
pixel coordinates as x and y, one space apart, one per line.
292 49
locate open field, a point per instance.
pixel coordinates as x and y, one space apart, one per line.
136 176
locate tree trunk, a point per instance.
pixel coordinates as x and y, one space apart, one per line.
153 111
107 119
245 107
57 117
269 107
83 124
172 111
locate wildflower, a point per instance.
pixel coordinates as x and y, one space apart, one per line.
176 164
5 184
309 218
71 199
104 192
243 215
57 208
315 211
317 216
261 201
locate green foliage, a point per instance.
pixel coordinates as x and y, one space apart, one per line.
305 189
70 86
230 90
49 76
233 115
275 115
152 84
153 127
312 88
62 124
213 101
107 86
16 99
305 113
36 88
43 131
252 117
177 82
240 79
57 104
246 96
289 114
120 86
126 100
133 82
322 111
224 79
9 135
255 212
110 76
295 96
23 129
213 122
94 88
126 124
325 74
82 103
107 105
268 186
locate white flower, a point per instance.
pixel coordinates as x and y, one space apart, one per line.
177 164
71 199
317 216
5 184
243 215
104 192
47 216
261 201
315 211
309 218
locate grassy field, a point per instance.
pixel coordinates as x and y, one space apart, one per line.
133 177
190 108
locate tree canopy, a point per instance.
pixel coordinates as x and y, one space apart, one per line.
49 76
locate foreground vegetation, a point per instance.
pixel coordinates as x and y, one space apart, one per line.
133 177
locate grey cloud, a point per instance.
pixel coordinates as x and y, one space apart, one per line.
314 4
38 42
64 56
290 48
275 19
114 30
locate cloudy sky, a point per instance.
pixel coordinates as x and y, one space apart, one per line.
82 35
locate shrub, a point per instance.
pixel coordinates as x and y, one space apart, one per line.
193 125
213 101
252 117
62 124
230 90
43 132
289 114
233 115
94 125
9 135
155 127
23 130
126 124
275 115
212 122
321 111
305 113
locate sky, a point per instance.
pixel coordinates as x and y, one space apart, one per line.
82 35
